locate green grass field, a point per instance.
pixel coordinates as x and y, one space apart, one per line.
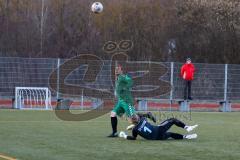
38 135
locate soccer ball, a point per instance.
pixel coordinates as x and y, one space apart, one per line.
97 7
123 135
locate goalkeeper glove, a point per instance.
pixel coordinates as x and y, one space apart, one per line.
130 127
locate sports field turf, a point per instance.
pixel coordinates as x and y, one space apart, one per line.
38 135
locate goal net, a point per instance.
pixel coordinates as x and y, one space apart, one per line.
32 98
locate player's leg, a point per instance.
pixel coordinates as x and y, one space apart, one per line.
167 124
185 90
172 135
189 83
134 119
117 111
163 122
178 136
130 112
190 136
147 115
128 108
113 124
121 108
190 128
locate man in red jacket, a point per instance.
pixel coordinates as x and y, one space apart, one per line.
187 73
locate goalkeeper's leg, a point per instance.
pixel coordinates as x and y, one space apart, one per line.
147 115
178 136
167 124
173 135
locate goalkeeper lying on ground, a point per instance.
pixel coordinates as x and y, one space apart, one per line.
160 132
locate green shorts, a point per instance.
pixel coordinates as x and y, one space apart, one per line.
122 107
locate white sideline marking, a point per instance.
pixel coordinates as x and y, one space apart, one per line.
7 157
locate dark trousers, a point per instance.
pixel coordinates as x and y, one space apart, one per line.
187 90
166 125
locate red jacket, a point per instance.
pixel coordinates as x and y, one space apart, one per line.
187 71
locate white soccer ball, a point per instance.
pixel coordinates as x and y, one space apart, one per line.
123 135
97 7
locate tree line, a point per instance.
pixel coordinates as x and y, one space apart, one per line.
208 31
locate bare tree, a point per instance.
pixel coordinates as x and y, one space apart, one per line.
201 29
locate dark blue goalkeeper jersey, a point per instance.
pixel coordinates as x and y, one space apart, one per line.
160 132
145 130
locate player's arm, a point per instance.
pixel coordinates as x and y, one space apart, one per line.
182 70
134 135
129 81
125 136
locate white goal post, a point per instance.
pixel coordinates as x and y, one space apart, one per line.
32 98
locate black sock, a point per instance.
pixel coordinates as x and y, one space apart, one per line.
114 124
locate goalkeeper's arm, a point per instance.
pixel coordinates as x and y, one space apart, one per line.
131 138
124 135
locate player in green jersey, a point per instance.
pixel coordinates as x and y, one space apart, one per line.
125 102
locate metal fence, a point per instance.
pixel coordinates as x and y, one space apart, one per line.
95 78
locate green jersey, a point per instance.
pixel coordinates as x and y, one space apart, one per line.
123 88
